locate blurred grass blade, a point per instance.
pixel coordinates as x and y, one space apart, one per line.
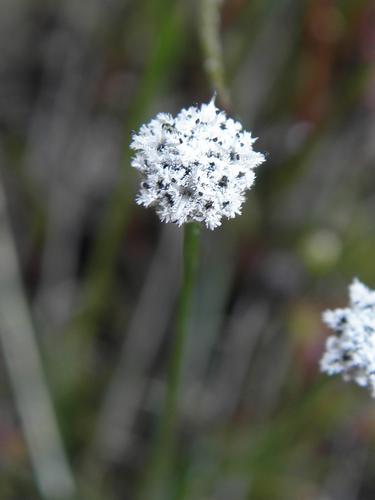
53 475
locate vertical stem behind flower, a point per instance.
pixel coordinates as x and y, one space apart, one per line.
163 452
212 51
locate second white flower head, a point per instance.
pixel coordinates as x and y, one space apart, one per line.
351 350
196 166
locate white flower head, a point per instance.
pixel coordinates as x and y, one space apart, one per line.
196 166
351 350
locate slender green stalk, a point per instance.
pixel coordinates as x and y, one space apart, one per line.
212 50
190 262
153 486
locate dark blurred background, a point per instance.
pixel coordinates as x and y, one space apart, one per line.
88 280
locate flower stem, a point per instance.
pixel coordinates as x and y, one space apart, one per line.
190 262
156 476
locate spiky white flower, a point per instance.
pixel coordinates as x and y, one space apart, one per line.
351 350
196 166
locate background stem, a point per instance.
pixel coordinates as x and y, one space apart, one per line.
212 50
53 475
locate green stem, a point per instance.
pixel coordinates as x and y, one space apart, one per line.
190 262
212 50
157 474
